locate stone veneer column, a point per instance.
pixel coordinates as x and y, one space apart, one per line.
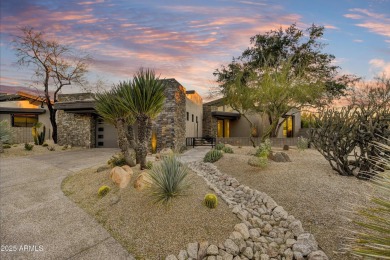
170 125
76 129
210 123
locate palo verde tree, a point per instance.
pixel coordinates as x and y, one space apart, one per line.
270 55
55 65
144 98
108 107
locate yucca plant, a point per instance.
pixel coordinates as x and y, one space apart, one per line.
144 97
108 107
373 241
168 180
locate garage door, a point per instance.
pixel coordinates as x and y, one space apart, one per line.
106 135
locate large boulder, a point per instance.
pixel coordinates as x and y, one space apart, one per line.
120 176
279 157
142 181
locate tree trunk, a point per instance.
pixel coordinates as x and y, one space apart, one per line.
132 142
144 134
250 130
127 151
53 122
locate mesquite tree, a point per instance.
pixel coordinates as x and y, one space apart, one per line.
55 65
345 137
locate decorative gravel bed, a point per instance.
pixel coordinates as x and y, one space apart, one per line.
267 231
17 150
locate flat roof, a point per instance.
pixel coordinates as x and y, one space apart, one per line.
18 110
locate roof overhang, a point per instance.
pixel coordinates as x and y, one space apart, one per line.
18 110
78 107
225 115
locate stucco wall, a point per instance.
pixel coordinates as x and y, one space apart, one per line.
24 134
194 128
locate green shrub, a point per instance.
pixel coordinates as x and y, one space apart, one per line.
303 143
103 190
373 242
260 162
264 149
6 131
117 160
6 146
45 144
28 147
211 201
227 149
168 179
220 146
213 156
149 165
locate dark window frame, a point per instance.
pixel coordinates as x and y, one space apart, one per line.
24 115
192 117
188 116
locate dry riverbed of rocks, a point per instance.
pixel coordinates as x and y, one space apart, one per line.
267 231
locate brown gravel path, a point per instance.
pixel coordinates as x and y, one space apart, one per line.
307 188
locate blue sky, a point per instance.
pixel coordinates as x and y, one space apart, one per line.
188 40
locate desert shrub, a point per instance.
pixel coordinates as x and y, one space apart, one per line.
227 149
103 190
6 146
345 137
374 241
117 160
220 146
213 156
39 137
28 147
51 148
260 162
210 201
149 165
45 144
303 143
5 132
264 149
168 179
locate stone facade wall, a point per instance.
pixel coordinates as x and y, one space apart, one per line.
210 123
170 125
76 129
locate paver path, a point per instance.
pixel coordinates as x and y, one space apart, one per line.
35 214
195 154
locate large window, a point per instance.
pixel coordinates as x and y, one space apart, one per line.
24 120
223 128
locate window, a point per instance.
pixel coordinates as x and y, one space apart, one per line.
192 117
188 116
196 120
24 120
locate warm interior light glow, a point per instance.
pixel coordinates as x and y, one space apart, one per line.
154 142
26 104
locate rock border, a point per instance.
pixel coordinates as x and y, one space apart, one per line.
267 231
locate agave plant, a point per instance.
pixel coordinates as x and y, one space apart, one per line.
168 179
374 240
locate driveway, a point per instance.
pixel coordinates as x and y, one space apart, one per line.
37 221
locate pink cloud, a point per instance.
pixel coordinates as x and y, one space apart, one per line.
374 22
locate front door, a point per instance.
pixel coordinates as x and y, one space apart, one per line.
223 128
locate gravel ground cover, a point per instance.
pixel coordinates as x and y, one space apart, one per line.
146 230
17 150
307 188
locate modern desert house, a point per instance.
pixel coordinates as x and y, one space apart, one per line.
80 125
184 116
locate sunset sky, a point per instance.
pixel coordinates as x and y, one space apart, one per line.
188 40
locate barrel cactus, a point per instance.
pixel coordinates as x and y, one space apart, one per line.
211 201
213 156
103 190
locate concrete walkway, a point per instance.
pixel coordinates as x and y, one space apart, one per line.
38 221
195 154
